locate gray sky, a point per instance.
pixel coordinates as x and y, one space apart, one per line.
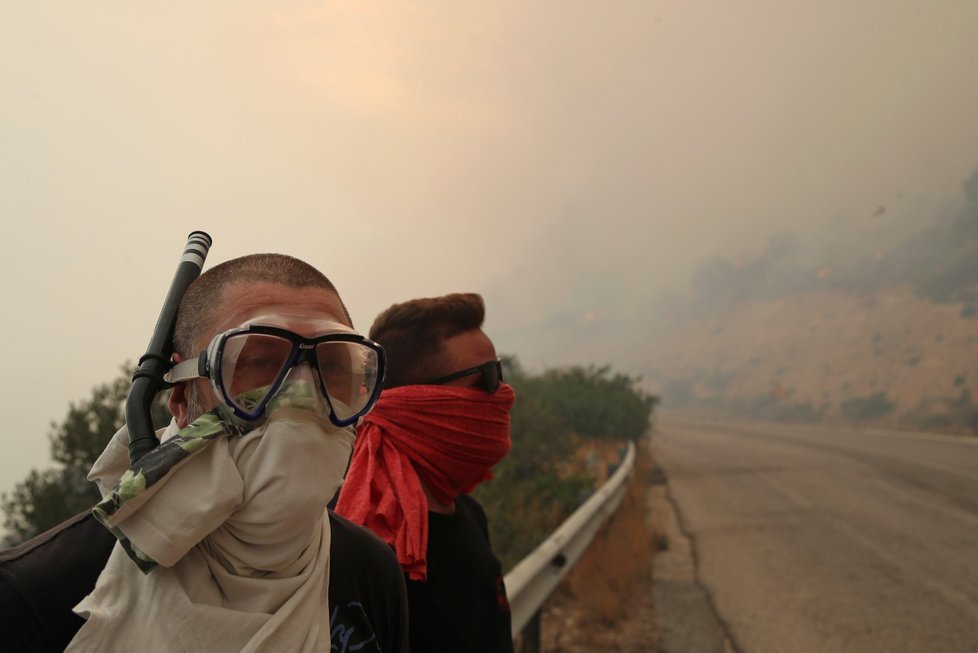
412 149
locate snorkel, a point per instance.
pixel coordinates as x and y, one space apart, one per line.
147 380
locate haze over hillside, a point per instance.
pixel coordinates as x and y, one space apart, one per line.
870 317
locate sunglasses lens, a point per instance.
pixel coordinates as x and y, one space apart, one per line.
492 374
349 372
251 366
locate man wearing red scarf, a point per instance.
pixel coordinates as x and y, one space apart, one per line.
440 425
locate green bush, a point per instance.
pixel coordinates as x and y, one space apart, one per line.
48 497
531 492
596 403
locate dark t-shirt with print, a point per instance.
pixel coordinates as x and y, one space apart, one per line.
462 606
43 578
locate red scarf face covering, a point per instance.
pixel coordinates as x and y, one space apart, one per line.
448 437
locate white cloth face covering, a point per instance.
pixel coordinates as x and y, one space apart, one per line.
240 537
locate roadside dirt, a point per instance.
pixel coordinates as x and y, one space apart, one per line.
606 603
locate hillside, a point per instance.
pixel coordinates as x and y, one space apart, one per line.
888 357
867 318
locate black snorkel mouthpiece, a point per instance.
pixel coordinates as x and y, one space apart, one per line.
147 380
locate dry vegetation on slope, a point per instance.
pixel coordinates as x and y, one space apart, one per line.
888 357
605 603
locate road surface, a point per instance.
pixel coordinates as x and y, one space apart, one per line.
814 538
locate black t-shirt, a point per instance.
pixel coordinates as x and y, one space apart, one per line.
368 602
461 607
44 578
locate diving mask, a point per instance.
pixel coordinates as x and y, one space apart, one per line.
247 366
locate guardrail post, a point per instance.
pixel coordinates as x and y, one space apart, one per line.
531 635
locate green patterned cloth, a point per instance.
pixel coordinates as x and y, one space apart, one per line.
135 485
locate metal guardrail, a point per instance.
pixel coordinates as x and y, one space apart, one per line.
535 577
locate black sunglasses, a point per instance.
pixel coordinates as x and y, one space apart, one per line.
491 371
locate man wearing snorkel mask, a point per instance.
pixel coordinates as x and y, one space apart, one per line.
440 425
223 529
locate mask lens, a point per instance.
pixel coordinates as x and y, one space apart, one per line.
349 374
251 364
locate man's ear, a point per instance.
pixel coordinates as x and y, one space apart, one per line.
179 402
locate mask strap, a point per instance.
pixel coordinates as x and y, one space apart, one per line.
186 370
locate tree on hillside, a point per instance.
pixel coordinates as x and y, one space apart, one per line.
48 497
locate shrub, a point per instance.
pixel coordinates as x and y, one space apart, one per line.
533 491
866 408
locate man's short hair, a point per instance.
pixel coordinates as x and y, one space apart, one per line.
203 298
412 334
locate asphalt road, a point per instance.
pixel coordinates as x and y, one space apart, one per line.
812 538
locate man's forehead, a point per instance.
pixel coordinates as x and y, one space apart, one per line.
469 348
307 324
243 301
